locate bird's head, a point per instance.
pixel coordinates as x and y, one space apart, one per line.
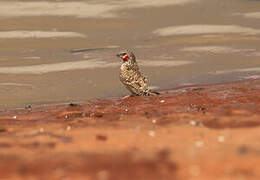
126 55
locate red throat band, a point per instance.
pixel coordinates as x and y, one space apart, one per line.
126 57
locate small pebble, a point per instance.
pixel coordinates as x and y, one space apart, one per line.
41 130
162 101
28 107
68 128
101 137
243 149
14 117
221 139
151 133
66 116
99 115
199 143
74 104
3 130
193 123
126 110
154 121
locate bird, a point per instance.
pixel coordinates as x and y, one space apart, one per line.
131 76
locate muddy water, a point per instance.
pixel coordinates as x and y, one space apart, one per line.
63 51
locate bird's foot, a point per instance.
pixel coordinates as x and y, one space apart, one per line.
155 93
128 96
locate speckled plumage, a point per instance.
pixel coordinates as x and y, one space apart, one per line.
131 76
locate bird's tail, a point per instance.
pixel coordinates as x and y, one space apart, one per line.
154 93
150 92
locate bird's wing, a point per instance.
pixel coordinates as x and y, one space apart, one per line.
142 80
132 86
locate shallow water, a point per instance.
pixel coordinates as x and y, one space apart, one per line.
55 52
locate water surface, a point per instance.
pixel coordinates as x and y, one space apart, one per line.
63 51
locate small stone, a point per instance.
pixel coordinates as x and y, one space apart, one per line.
199 144
126 110
41 130
68 128
74 104
3 130
154 121
101 137
151 133
98 115
193 123
14 117
66 116
242 149
162 101
146 113
28 107
221 139
164 154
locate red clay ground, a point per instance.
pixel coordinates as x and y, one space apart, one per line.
200 132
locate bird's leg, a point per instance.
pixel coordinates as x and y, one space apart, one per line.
128 96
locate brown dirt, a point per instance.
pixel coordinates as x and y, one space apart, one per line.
195 132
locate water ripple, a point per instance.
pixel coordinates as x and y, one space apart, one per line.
79 65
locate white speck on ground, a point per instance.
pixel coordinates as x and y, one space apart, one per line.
41 130
68 128
221 139
193 123
151 133
199 144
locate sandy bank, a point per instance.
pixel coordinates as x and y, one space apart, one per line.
187 132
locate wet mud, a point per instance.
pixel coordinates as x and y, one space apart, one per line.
186 132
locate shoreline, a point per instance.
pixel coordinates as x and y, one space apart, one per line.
186 132
165 90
